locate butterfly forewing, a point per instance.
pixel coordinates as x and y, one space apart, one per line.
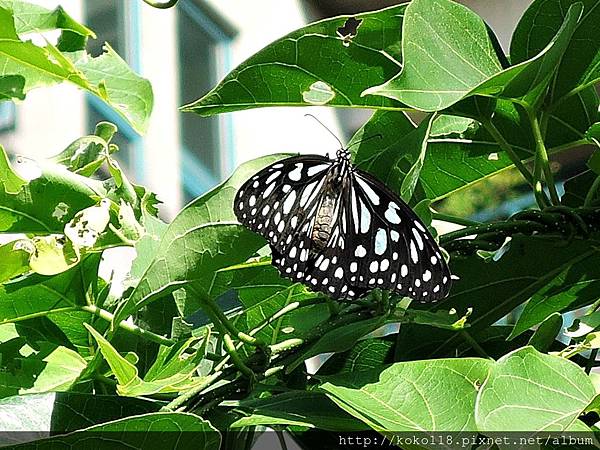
371 240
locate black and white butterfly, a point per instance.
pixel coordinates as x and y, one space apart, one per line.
340 230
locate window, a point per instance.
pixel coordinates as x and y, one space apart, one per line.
115 22
203 51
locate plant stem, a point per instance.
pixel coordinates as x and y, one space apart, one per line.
134 329
454 219
161 5
541 163
218 317
235 357
504 145
514 226
474 344
176 403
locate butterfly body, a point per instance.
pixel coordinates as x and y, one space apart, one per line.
340 230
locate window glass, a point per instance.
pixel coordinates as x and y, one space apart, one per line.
197 58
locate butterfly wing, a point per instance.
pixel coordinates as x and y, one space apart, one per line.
388 246
280 203
376 240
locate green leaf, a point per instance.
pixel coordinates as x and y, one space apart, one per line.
108 77
67 411
409 183
55 371
368 354
339 339
121 88
444 63
33 18
125 372
38 295
544 336
577 281
584 325
493 288
53 254
593 132
15 258
579 66
166 374
47 202
447 125
286 72
11 182
448 166
302 408
203 238
558 391
176 431
412 396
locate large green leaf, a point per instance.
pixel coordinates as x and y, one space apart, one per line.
47 202
30 18
39 295
413 396
148 431
448 55
450 164
108 77
309 409
580 65
493 288
203 238
314 65
42 368
576 282
67 411
531 391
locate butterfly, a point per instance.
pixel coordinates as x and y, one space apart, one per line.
340 230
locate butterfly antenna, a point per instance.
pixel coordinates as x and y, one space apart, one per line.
324 126
379 136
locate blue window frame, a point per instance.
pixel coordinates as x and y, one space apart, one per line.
8 116
116 22
204 58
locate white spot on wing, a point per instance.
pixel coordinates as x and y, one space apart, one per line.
370 192
360 251
289 202
316 169
380 241
295 174
365 218
413 252
391 213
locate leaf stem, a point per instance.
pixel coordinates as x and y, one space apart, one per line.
454 219
504 145
474 344
220 320
235 357
179 401
130 327
541 162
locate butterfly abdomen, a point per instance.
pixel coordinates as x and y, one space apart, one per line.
323 222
